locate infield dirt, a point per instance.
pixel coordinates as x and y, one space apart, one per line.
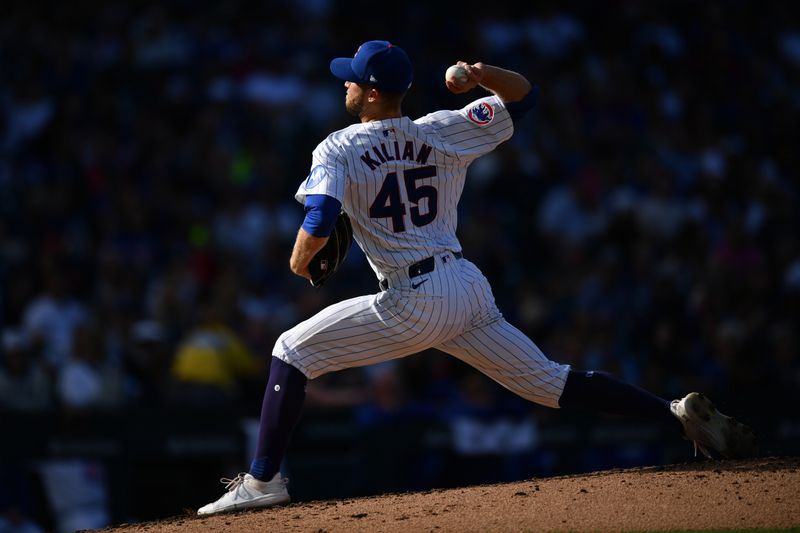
756 493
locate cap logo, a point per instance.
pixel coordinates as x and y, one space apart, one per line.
372 78
481 114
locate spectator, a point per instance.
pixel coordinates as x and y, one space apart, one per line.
51 318
24 383
88 379
148 357
77 492
211 362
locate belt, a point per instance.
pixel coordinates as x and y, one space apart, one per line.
419 268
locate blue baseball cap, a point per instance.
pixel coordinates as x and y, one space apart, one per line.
377 63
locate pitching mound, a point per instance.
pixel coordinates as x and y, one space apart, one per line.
733 494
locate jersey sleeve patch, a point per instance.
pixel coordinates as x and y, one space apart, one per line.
481 113
314 178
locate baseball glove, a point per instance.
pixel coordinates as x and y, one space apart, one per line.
332 255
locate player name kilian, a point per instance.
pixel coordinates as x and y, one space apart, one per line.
392 152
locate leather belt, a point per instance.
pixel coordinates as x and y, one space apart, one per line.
419 268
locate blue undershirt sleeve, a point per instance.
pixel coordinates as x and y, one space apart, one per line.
321 213
517 110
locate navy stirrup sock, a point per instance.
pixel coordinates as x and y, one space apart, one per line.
280 411
601 392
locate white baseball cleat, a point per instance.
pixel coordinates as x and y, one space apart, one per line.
711 430
247 492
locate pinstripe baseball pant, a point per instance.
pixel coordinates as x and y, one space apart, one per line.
450 308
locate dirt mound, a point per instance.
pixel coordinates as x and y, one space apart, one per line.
753 493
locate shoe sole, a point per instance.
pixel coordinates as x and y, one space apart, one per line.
732 439
269 500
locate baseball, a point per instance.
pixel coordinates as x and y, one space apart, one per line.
456 75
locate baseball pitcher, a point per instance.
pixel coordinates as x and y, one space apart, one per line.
394 183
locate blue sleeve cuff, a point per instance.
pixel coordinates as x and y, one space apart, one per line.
321 213
517 110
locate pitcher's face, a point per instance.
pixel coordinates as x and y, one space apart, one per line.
355 98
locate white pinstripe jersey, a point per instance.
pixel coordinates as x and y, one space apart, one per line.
400 180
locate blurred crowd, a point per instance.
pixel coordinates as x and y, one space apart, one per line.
644 221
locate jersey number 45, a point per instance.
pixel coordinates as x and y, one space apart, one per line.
389 203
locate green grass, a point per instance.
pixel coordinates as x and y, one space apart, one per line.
737 530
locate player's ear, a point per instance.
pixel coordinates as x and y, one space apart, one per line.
372 95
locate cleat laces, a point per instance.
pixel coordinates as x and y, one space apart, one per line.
232 484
